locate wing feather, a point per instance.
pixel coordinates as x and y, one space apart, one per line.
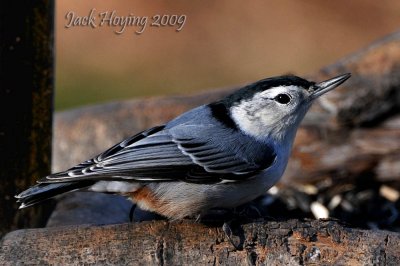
188 152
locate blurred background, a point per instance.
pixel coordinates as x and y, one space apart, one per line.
222 43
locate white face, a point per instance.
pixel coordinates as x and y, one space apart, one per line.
274 113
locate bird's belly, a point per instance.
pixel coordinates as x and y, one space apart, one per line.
177 200
242 192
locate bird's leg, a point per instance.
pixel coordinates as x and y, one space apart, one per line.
234 232
241 214
131 212
230 224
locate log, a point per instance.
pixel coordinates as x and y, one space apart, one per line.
292 242
320 153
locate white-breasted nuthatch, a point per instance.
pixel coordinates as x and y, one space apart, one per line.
219 155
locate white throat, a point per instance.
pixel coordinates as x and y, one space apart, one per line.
262 127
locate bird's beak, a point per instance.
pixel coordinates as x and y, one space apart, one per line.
325 86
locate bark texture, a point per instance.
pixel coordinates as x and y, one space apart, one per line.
290 242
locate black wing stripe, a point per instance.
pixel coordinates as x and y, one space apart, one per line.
211 159
148 154
151 145
133 163
229 167
120 146
191 146
141 135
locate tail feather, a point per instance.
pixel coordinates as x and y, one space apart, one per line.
41 192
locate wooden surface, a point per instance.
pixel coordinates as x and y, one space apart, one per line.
290 242
26 106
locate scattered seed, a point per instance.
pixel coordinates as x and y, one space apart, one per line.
319 210
335 201
389 193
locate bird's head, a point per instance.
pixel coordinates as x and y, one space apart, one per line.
274 107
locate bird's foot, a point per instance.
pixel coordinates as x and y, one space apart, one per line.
131 212
234 232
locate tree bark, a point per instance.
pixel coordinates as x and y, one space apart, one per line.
26 95
292 242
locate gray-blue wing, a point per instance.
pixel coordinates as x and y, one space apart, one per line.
223 151
191 153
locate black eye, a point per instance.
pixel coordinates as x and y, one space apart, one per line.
282 98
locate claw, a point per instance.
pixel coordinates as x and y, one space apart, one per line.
131 212
235 234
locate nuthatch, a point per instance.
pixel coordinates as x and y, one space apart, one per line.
219 155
